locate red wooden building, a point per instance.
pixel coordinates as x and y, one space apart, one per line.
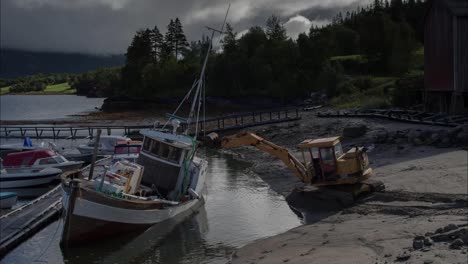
446 56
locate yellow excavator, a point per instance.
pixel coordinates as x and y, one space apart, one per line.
323 161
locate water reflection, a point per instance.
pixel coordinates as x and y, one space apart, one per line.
239 208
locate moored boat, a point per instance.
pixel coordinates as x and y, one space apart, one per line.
38 159
7 200
106 145
26 177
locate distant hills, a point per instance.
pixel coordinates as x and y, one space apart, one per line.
17 63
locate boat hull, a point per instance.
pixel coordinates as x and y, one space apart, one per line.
92 216
19 180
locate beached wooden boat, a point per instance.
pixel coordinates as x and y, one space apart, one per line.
167 181
167 186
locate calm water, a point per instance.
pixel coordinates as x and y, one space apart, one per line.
37 107
239 208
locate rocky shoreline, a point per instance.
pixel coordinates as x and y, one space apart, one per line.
425 172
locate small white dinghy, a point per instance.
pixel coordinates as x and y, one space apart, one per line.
24 177
7 200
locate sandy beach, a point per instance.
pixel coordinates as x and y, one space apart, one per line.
426 190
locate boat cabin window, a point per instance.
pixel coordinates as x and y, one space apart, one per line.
147 144
46 161
59 159
162 150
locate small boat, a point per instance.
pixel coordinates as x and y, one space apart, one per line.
27 177
127 150
106 145
7 200
27 145
39 159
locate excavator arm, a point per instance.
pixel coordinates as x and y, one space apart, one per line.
250 139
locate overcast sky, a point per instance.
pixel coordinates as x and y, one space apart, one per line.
107 26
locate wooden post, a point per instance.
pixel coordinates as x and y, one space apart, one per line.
95 152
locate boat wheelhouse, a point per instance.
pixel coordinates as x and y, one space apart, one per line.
166 158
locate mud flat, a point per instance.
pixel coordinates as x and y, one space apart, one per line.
422 217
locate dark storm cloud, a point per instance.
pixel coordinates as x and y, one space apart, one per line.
107 26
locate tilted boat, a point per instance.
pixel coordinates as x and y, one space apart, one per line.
167 181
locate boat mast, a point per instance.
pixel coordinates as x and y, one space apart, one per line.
201 81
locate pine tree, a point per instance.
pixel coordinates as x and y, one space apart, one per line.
180 41
229 41
157 41
274 29
169 38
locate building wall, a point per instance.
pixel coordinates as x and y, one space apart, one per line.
438 49
461 55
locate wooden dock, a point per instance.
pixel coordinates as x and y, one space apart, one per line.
408 116
21 223
208 125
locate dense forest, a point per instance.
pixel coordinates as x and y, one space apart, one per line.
355 53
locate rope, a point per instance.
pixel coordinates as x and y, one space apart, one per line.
182 102
50 241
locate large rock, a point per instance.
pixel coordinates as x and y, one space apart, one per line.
354 131
456 244
418 244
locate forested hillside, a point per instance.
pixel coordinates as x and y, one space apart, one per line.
368 56
18 63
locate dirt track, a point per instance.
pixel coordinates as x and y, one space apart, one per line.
426 189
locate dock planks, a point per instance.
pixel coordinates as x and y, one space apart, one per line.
21 223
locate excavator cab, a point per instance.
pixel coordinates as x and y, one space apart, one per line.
320 157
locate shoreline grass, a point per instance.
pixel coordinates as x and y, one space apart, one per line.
55 89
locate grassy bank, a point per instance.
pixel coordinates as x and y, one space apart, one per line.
371 91
60 88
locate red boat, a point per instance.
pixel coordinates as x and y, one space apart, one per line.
39 159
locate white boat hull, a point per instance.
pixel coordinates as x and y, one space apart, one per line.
27 179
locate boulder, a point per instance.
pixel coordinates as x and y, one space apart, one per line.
354 131
450 227
456 244
428 242
418 244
